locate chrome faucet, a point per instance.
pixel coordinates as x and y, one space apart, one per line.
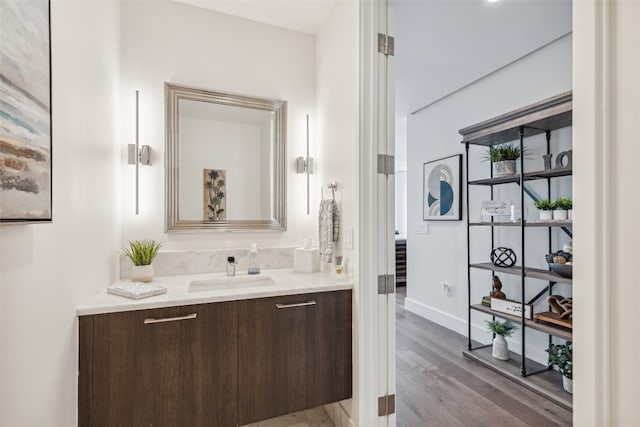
231 266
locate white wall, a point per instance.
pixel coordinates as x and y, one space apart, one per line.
440 255
46 269
167 41
337 82
336 127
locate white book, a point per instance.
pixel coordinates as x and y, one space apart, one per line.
136 290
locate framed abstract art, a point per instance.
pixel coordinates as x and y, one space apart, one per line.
25 111
442 189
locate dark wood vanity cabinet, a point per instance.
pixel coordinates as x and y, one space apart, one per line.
294 352
163 367
219 364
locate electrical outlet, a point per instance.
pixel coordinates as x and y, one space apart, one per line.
446 289
422 229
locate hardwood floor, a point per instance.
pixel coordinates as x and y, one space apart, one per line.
437 386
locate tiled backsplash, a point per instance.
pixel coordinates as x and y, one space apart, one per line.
174 263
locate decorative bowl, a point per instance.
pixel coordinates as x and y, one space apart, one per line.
562 269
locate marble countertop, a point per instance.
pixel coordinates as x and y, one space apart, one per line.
285 282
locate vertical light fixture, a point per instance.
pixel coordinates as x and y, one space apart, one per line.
138 155
305 165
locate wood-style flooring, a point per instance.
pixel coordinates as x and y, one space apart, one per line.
437 386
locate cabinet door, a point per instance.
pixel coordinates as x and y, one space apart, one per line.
294 353
163 367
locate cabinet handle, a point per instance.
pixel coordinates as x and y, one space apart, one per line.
300 304
170 319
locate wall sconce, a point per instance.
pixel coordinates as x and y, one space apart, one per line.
305 165
138 155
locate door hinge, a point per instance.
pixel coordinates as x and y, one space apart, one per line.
386 44
386 164
386 284
386 405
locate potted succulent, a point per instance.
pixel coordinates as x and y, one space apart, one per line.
545 207
561 356
501 330
561 209
142 254
503 159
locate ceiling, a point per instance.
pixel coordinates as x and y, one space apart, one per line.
441 45
305 16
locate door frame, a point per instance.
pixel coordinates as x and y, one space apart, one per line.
592 92
375 320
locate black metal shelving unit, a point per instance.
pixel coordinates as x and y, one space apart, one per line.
543 117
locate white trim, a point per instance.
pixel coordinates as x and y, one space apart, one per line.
592 181
435 315
366 299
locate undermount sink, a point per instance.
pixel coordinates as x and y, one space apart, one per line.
230 282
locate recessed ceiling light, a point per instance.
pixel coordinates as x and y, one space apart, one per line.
492 1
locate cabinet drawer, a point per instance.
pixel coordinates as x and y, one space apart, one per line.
161 367
294 353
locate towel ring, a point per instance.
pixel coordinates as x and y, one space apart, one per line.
333 187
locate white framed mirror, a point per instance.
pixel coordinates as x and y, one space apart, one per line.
225 161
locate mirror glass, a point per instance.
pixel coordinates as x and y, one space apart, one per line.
225 161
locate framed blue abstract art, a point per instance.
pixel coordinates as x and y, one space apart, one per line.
442 189
25 111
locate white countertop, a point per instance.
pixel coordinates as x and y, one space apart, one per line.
287 282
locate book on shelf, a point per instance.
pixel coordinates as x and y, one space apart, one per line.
486 300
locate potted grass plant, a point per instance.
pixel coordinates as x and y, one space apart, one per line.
561 208
503 159
545 207
561 356
142 253
501 330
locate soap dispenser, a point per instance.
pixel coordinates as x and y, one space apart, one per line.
254 268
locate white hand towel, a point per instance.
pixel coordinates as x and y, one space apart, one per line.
329 222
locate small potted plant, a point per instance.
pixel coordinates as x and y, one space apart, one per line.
142 254
561 356
501 330
561 209
503 159
545 207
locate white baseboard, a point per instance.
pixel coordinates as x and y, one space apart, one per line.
459 325
437 316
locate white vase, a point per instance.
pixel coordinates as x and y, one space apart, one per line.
545 215
567 384
560 214
142 273
500 348
504 168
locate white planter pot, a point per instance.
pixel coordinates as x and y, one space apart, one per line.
567 384
500 348
545 215
504 168
560 214
570 214
142 273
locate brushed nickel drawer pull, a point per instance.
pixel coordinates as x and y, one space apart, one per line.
170 319
300 304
